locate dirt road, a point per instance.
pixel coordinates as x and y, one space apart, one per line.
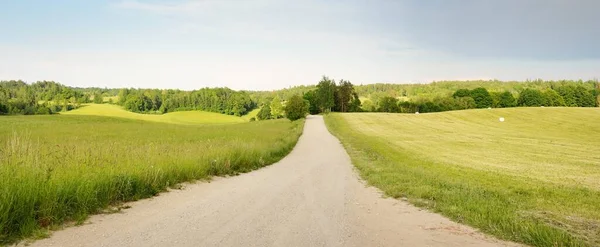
313 197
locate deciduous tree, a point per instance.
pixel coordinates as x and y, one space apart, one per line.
296 108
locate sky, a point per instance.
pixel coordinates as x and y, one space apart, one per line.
273 44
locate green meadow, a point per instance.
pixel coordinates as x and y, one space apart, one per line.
56 169
180 117
534 178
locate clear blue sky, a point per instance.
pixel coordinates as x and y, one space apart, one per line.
271 44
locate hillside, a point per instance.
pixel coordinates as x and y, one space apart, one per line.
532 178
182 117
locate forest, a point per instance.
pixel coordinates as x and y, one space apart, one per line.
48 97
219 100
44 97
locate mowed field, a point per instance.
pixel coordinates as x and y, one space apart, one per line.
61 168
182 117
534 178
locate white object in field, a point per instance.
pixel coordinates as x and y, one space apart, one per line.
501 119
489 108
416 112
542 106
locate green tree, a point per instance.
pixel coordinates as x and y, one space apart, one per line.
597 93
296 108
343 96
531 97
505 99
584 97
368 105
355 103
264 113
482 97
325 94
276 108
311 97
388 104
552 98
462 93
3 109
122 96
98 98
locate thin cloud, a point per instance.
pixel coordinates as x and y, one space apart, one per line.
162 8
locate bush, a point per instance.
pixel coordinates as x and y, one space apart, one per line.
368 105
42 110
388 104
55 108
3 109
296 108
430 107
408 107
98 99
264 113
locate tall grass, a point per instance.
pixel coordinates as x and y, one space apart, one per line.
533 179
55 169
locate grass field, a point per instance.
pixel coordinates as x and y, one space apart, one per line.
60 168
251 114
108 99
534 178
182 117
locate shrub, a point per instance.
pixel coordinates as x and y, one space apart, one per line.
264 113
430 107
388 104
408 107
296 108
55 108
3 109
368 105
43 110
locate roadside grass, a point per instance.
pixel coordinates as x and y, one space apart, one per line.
533 179
180 117
61 168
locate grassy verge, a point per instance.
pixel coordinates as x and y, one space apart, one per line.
55 169
533 179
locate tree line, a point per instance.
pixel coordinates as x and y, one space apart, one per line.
43 97
219 100
47 97
326 96
561 96
330 96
